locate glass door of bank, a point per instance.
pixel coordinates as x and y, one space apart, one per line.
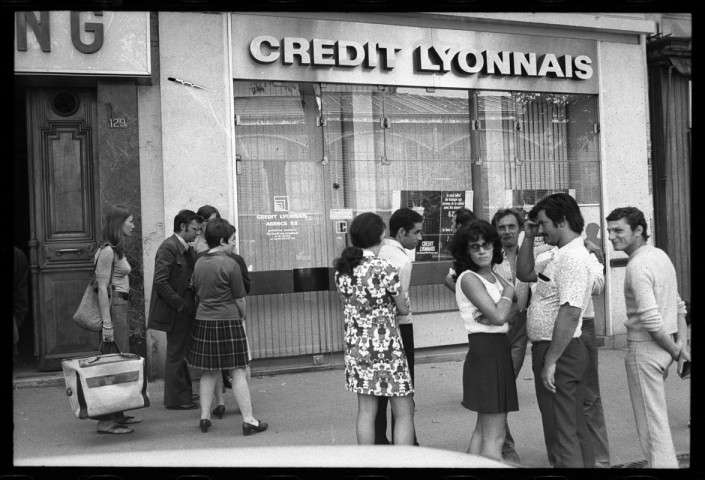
312 156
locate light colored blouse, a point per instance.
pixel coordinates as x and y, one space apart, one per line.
469 312
121 274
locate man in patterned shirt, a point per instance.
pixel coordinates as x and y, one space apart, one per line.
564 284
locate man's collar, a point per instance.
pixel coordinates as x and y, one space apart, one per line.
576 241
181 241
392 242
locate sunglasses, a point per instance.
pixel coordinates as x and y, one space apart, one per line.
475 247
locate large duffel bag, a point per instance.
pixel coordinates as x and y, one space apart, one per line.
103 384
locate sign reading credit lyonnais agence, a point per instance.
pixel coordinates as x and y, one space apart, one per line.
286 49
82 43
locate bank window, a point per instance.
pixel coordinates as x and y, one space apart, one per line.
312 156
393 147
533 144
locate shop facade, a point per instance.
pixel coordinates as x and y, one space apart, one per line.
292 124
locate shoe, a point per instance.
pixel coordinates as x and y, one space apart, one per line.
195 397
116 429
127 420
219 411
188 406
227 381
249 429
204 424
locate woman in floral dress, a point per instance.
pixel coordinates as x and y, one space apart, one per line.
375 363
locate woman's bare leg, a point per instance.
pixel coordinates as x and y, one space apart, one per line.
206 386
242 394
366 412
493 433
403 410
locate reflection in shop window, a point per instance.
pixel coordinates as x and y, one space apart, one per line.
356 148
535 144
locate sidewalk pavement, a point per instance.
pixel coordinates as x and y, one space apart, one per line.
313 408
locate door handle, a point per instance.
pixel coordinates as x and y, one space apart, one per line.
77 251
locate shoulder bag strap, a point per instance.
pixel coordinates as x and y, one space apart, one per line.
112 268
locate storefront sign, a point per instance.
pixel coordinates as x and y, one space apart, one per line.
283 226
266 49
299 49
86 43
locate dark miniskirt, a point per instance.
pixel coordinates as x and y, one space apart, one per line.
218 345
488 374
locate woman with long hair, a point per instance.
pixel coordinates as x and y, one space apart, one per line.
218 340
113 301
375 363
485 301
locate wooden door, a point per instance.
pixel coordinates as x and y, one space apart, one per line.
65 223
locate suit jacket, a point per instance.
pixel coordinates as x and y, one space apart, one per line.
172 274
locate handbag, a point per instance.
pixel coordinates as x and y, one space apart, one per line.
87 314
103 384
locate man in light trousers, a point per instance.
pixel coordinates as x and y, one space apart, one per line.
656 332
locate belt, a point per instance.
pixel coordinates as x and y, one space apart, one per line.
123 295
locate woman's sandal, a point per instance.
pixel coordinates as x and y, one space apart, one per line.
127 420
117 429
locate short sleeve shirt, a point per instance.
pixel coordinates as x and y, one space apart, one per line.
564 278
394 253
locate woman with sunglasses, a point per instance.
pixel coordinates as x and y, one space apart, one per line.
485 301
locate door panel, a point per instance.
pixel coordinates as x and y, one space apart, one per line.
63 180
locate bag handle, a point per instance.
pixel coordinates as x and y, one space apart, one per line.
117 347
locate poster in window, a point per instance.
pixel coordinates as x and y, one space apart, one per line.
437 208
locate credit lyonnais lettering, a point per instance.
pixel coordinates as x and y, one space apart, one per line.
266 49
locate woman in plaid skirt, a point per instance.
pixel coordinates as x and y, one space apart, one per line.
218 340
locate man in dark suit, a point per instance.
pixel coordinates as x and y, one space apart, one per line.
172 307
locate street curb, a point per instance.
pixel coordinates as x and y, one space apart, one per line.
453 353
55 379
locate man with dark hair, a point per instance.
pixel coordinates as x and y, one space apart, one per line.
509 222
404 234
462 216
563 289
172 307
656 332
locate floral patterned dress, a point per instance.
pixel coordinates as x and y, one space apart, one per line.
375 363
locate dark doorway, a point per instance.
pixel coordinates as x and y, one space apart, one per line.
26 360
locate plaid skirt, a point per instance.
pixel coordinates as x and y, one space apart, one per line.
218 345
